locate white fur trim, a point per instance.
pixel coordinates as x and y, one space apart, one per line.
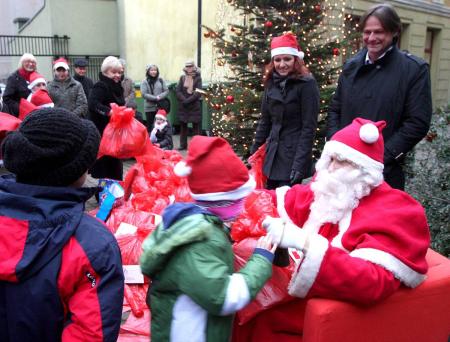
369 133
334 147
159 116
344 223
285 50
36 81
181 169
401 271
281 194
188 320
306 273
235 194
47 105
61 65
237 295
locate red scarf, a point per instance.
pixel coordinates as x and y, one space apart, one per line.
25 74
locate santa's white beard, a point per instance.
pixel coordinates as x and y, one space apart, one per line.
336 193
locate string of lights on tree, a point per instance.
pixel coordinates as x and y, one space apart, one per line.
241 49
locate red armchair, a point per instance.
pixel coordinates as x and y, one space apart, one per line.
420 315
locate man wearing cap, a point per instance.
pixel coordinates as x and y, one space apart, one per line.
61 275
359 239
65 91
383 83
79 74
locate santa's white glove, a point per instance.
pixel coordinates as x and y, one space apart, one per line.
285 234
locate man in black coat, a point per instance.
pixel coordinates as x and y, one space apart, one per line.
80 68
383 83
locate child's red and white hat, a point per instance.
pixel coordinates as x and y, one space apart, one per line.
36 78
161 114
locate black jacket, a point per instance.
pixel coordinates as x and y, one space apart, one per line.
104 92
164 137
288 122
189 106
86 82
16 88
396 88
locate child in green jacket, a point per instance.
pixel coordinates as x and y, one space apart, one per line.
194 290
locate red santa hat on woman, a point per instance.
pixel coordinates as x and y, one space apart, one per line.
361 143
36 78
285 45
161 114
214 171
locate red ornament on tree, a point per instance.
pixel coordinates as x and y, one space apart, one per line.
336 52
229 99
217 106
317 8
268 24
234 53
232 29
206 34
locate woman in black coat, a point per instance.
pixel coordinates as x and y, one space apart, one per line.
189 107
289 112
106 91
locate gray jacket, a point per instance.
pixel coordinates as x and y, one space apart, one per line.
160 88
68 94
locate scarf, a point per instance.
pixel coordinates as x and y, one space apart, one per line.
189 80
225 210
25 74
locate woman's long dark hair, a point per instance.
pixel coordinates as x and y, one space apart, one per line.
299 70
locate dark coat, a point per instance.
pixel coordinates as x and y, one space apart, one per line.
86 82
60 263
105 92
396 88
189 107
16 89
164 138
288 122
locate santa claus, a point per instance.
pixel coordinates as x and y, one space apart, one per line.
360 239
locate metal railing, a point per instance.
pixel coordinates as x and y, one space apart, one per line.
36 45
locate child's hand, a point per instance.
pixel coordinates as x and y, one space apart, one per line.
265 242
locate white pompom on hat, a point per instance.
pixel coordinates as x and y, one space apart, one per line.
285 45
214 171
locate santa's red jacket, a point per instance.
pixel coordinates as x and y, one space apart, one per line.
382 241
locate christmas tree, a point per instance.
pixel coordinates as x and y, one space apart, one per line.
242 49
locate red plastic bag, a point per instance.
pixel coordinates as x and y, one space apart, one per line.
8 123
124 136
274 292
257 206
128 214
134 327
135 295
256 162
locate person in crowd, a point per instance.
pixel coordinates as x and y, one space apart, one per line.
189 257
189 106
154 91
61 275
383 83
65 91
17 83
39 94
360 239
128 87
161 134
80 66
106 91
289 112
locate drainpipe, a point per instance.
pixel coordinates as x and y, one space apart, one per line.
199 34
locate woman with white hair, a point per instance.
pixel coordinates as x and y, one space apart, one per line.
17 83
106 91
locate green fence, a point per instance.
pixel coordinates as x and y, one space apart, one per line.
172 115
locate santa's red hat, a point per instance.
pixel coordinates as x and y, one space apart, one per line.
61 63
214 171
285 45
42 99
36 78
161 114
361 143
